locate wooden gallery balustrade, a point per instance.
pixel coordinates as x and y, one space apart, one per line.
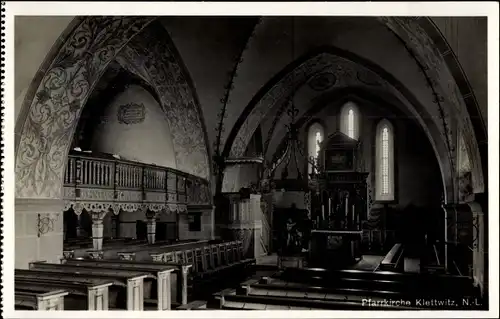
100 183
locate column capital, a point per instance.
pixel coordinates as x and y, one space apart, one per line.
97 216
150 214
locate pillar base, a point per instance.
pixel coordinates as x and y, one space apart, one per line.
96 254
38 230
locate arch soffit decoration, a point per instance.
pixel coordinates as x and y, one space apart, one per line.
35 175
348 73
54 103
57 95
351 74
153 57
452 89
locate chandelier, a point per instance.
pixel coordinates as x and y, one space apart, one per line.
290 152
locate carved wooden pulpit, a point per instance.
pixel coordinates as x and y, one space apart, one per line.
343 196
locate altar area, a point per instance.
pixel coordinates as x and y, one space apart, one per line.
328 232
340 206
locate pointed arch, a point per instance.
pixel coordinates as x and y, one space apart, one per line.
350 120
384 161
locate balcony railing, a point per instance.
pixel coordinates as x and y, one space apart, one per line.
107 174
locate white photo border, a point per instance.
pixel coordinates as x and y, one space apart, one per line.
489 9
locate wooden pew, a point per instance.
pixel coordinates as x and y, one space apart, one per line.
109 249
83 293
410 285
269 287
223 276
27 298
229 299
141 250
272 287
178 277
206 261
158 293
194 254
220 260
183 270
394 260
215 255
126 284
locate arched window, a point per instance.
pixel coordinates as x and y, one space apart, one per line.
315 136
349 120
384 171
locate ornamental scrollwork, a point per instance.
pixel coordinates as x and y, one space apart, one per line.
46 223
152 57
449 98
61 94
93 207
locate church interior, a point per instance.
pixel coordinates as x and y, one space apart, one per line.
251 163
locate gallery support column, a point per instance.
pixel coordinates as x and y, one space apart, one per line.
79 228
151 226
97 229
97 234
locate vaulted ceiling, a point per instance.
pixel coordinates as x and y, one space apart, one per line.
219 79
247 68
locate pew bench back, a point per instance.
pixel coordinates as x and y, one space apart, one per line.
178 276
161 290
33 299
126 284
83 293
394 258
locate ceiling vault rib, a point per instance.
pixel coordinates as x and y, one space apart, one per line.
463 74
273 126
437 99
228 88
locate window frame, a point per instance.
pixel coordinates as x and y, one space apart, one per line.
380 197
312 129
344 119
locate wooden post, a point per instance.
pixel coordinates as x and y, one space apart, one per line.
97 230
79 229
151 226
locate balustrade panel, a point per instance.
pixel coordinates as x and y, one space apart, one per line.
88 172
70 173
154 178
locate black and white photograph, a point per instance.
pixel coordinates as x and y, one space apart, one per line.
161 157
